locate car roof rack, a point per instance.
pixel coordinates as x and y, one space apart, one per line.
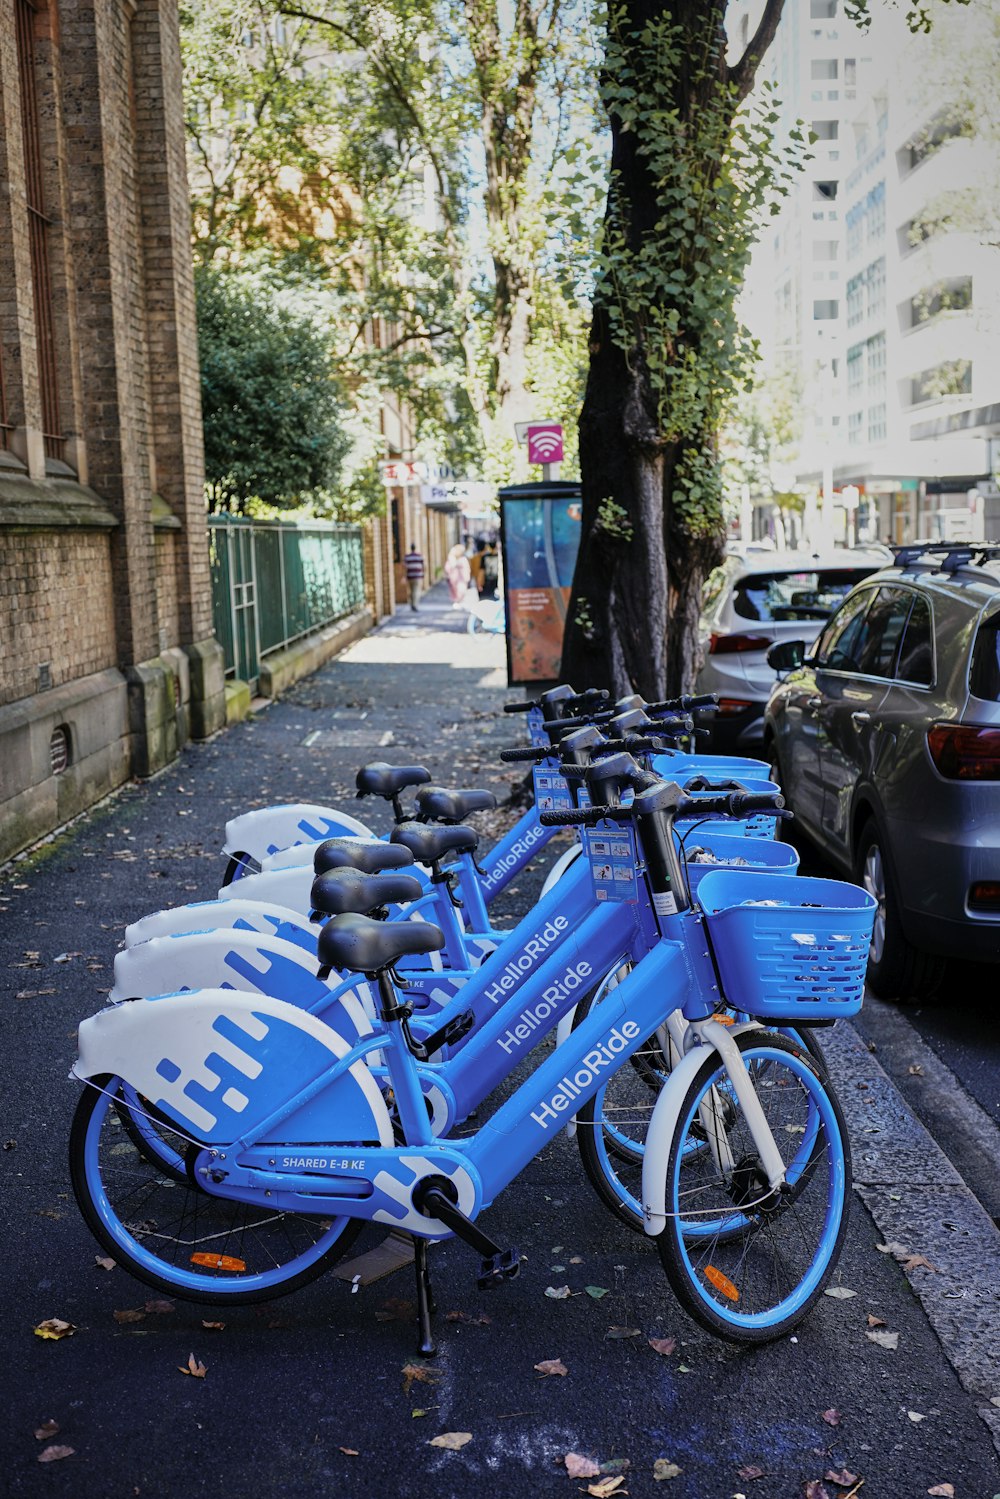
954 555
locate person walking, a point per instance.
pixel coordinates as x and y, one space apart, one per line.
458 573
413 562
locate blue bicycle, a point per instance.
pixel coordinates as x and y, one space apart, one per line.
288 1141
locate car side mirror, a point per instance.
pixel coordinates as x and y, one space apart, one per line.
786 655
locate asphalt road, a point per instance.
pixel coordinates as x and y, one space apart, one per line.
312 1395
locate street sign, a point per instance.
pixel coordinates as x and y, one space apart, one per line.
545 443
399 471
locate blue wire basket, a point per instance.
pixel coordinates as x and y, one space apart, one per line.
788 949
758 854
757 825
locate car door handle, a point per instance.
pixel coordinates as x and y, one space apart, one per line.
860 718
814 702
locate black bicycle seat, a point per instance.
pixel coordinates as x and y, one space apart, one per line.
439 804
429 844
369 855
380 779
365 946
342 890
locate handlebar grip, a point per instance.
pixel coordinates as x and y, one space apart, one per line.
756 801
543 752
684 704
519 707
584 699
573 817
735 804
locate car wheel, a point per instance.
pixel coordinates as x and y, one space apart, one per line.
896 969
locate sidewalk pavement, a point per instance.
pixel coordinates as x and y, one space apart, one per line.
316 1392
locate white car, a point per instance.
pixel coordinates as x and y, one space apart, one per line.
753 600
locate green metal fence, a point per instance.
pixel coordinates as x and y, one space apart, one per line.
274 581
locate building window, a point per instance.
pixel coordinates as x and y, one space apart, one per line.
855 420
825 249
850 71
826 130
855 300
875 287
822 10
875 365
39 229
876 422
953 378
824 310
855 369
824 192
954 295
822 68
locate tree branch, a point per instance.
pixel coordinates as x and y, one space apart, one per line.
743 73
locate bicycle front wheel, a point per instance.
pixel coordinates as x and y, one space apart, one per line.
161 1227
745 1261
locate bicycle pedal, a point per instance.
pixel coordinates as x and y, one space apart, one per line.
498 1268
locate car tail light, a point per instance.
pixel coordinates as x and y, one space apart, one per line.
725 645
730 706
984 896
965 752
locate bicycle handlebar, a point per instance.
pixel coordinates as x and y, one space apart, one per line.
542 752
519 707
684 704
733 804
583 816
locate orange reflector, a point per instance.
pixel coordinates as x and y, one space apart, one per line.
721 1282
219 1262
725 1019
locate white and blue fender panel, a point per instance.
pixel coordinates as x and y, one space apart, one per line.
210 915
268 829
219 1064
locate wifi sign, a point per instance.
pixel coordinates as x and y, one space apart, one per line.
545 443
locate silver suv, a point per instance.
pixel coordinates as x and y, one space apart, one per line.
885 736
753 599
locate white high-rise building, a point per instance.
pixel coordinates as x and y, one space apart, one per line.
887 316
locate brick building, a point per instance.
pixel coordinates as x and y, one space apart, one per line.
107 656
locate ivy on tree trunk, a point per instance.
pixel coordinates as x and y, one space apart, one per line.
692 167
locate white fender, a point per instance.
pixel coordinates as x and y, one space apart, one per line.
208 915
218 1061
659 1138
559 868
265 830
301 853
289 887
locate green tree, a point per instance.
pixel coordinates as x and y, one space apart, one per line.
694 165
271 403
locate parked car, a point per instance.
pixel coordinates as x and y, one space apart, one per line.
752 600
885 737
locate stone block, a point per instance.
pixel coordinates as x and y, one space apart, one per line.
208 709
237 700
282 669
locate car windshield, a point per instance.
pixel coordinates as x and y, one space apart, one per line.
795 595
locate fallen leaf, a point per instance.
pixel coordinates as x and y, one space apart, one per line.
606 1486
915 1070
884 1339
749 1473
814 1489
581 1467
395 1310
839 1293
892 1248
348 1451
54 1328
552 1366
875 1321
419 1372
832 1417
596 1291
105 1262
48 1428
53 1454
623 1332
917 1262
159 1308
422 1411
480 1320
843 1477
451 1440
193 1367
943 1491
215 1326
662 1345
130 1314
576 1259
558 1293
663 1468
684 1369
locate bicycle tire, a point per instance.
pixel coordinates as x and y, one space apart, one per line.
239 866
755 1285
119 1190
611 1126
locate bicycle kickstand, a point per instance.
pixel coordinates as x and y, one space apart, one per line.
426 1345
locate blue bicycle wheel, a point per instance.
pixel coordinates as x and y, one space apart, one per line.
166 1231
746 1261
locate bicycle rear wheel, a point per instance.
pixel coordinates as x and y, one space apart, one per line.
744 1261
175 1237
